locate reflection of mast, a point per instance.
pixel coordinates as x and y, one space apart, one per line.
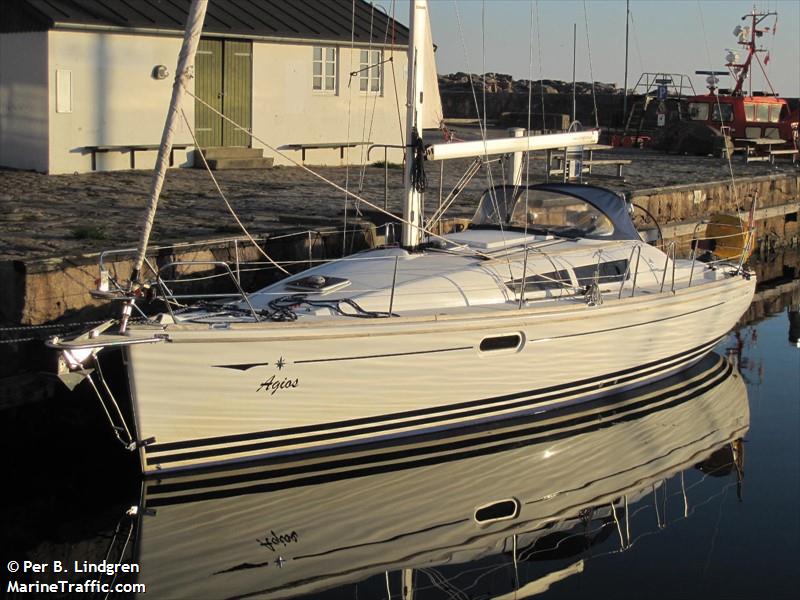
747 38
794 324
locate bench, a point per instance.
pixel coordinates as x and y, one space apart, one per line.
607 161
133 149
323 145
793 152
588 164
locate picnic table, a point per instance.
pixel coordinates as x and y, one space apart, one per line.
557 160
759 149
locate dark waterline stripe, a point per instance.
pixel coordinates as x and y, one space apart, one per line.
503 440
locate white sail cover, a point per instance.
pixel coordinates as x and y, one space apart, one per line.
432 114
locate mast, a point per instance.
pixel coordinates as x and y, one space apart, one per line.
413 182
747 38
574 51
183 73
625 83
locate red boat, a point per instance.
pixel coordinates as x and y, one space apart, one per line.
746 115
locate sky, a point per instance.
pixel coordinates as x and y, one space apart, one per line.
674 36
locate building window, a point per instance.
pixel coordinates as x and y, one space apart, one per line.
324 79
371 71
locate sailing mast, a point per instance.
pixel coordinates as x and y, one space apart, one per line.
413 180
183 73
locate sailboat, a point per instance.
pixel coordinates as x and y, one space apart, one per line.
579 473
550 298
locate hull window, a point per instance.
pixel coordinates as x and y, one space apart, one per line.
501 342
497 511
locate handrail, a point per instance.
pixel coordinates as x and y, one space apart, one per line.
637 249
670 252
694 250
215 263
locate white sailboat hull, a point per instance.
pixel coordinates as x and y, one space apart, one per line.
209 396
220 535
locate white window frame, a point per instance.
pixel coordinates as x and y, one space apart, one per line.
370 71
324 69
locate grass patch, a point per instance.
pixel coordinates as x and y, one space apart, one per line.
88 233
391 165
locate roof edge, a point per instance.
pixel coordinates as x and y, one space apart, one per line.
76 27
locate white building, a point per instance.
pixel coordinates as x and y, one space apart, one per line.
82 82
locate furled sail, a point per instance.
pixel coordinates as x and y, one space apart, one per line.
432 114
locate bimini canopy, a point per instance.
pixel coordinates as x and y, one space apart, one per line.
563 209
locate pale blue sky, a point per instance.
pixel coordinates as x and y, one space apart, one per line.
666 35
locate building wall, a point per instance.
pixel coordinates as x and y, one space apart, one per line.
115 100
23 101
286 110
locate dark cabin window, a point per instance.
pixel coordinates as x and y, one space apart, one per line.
539 283
608 272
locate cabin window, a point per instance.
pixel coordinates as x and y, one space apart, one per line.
762 113
775 113
501 342
752 132
772 133
324 69
371 71
554 280
497 511
607 272
722 113
698 111
749 111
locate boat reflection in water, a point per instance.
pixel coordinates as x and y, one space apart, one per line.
446 514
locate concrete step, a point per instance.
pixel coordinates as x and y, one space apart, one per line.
222 164
231 152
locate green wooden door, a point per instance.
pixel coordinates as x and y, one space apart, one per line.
208 87
223 71
237 92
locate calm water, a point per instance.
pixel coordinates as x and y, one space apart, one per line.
687 489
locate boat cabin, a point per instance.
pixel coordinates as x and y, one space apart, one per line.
746 116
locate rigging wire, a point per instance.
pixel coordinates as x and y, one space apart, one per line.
380 71
349 110
636 43
224 199
331 183
482 122
719 110
527 162
591 72
539 50
394 81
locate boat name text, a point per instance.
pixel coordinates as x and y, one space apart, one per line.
273 384
272 539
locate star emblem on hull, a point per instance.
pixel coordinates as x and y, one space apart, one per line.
280 363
